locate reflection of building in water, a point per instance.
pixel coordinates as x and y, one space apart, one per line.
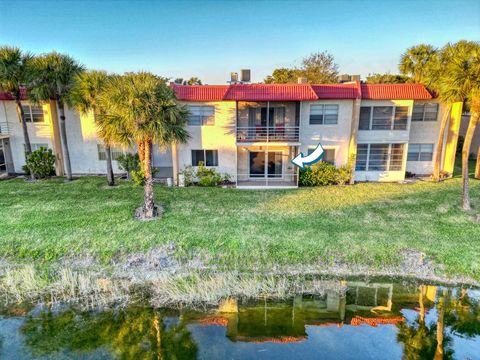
279 321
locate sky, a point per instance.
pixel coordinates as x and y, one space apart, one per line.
209 39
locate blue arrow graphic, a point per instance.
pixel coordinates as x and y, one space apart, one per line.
314 157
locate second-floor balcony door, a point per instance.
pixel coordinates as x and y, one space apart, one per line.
266 164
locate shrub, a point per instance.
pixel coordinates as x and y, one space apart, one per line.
41 163
188 176
208 177
129 163
203 176
323 173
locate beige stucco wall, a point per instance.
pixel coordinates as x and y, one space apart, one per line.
221 137
39 133
424 132
330 136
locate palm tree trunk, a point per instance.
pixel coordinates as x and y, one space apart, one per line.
475 113
148 206
110 177
439 149
440 325
63 135
477 168
21 117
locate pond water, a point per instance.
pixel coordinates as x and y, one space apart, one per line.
362 320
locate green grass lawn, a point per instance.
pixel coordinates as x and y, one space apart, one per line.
367 223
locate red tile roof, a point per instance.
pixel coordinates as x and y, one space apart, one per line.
200 92
6 96
301 92
336 91
395 92
270 92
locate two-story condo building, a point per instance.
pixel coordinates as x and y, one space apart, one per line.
252 131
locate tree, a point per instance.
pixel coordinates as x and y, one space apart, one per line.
52 78
460 81
194 81
13 78
317 68
387 79
282 76
141 108
416 62
84 98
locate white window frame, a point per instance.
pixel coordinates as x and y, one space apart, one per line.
324 110
387 166
102 153
419 153
326 148
423 113
392 126
28 115
204 157
203 118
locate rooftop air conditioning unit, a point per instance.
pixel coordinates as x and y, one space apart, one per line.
245 75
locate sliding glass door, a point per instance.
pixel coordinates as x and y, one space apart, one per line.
265 164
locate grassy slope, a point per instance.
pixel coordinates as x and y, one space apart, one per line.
366 223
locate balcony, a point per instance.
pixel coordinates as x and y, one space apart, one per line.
276 133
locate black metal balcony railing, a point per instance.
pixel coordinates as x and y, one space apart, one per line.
267 133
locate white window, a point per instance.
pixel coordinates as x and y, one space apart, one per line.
328 155
425 112
201 115
383 118
379 157
323 114
207 157
102 154
420 152
33 113
36 146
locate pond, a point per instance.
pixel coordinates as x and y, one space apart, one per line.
357 320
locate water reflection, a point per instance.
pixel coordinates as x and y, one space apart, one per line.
367 320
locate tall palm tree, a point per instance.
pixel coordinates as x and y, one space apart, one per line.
13 78
460 81
416 62
143 110
84 98
52 78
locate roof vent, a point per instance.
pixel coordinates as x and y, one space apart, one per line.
245 75
233 78
347 78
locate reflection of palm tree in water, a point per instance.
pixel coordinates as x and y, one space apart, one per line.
133 333
422 341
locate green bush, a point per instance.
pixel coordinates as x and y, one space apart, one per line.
323 173
203 176
41 163
129 163
208 177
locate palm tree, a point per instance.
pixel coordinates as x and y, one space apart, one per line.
84 98
52 78
142 109
13 78
460 81
416 62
